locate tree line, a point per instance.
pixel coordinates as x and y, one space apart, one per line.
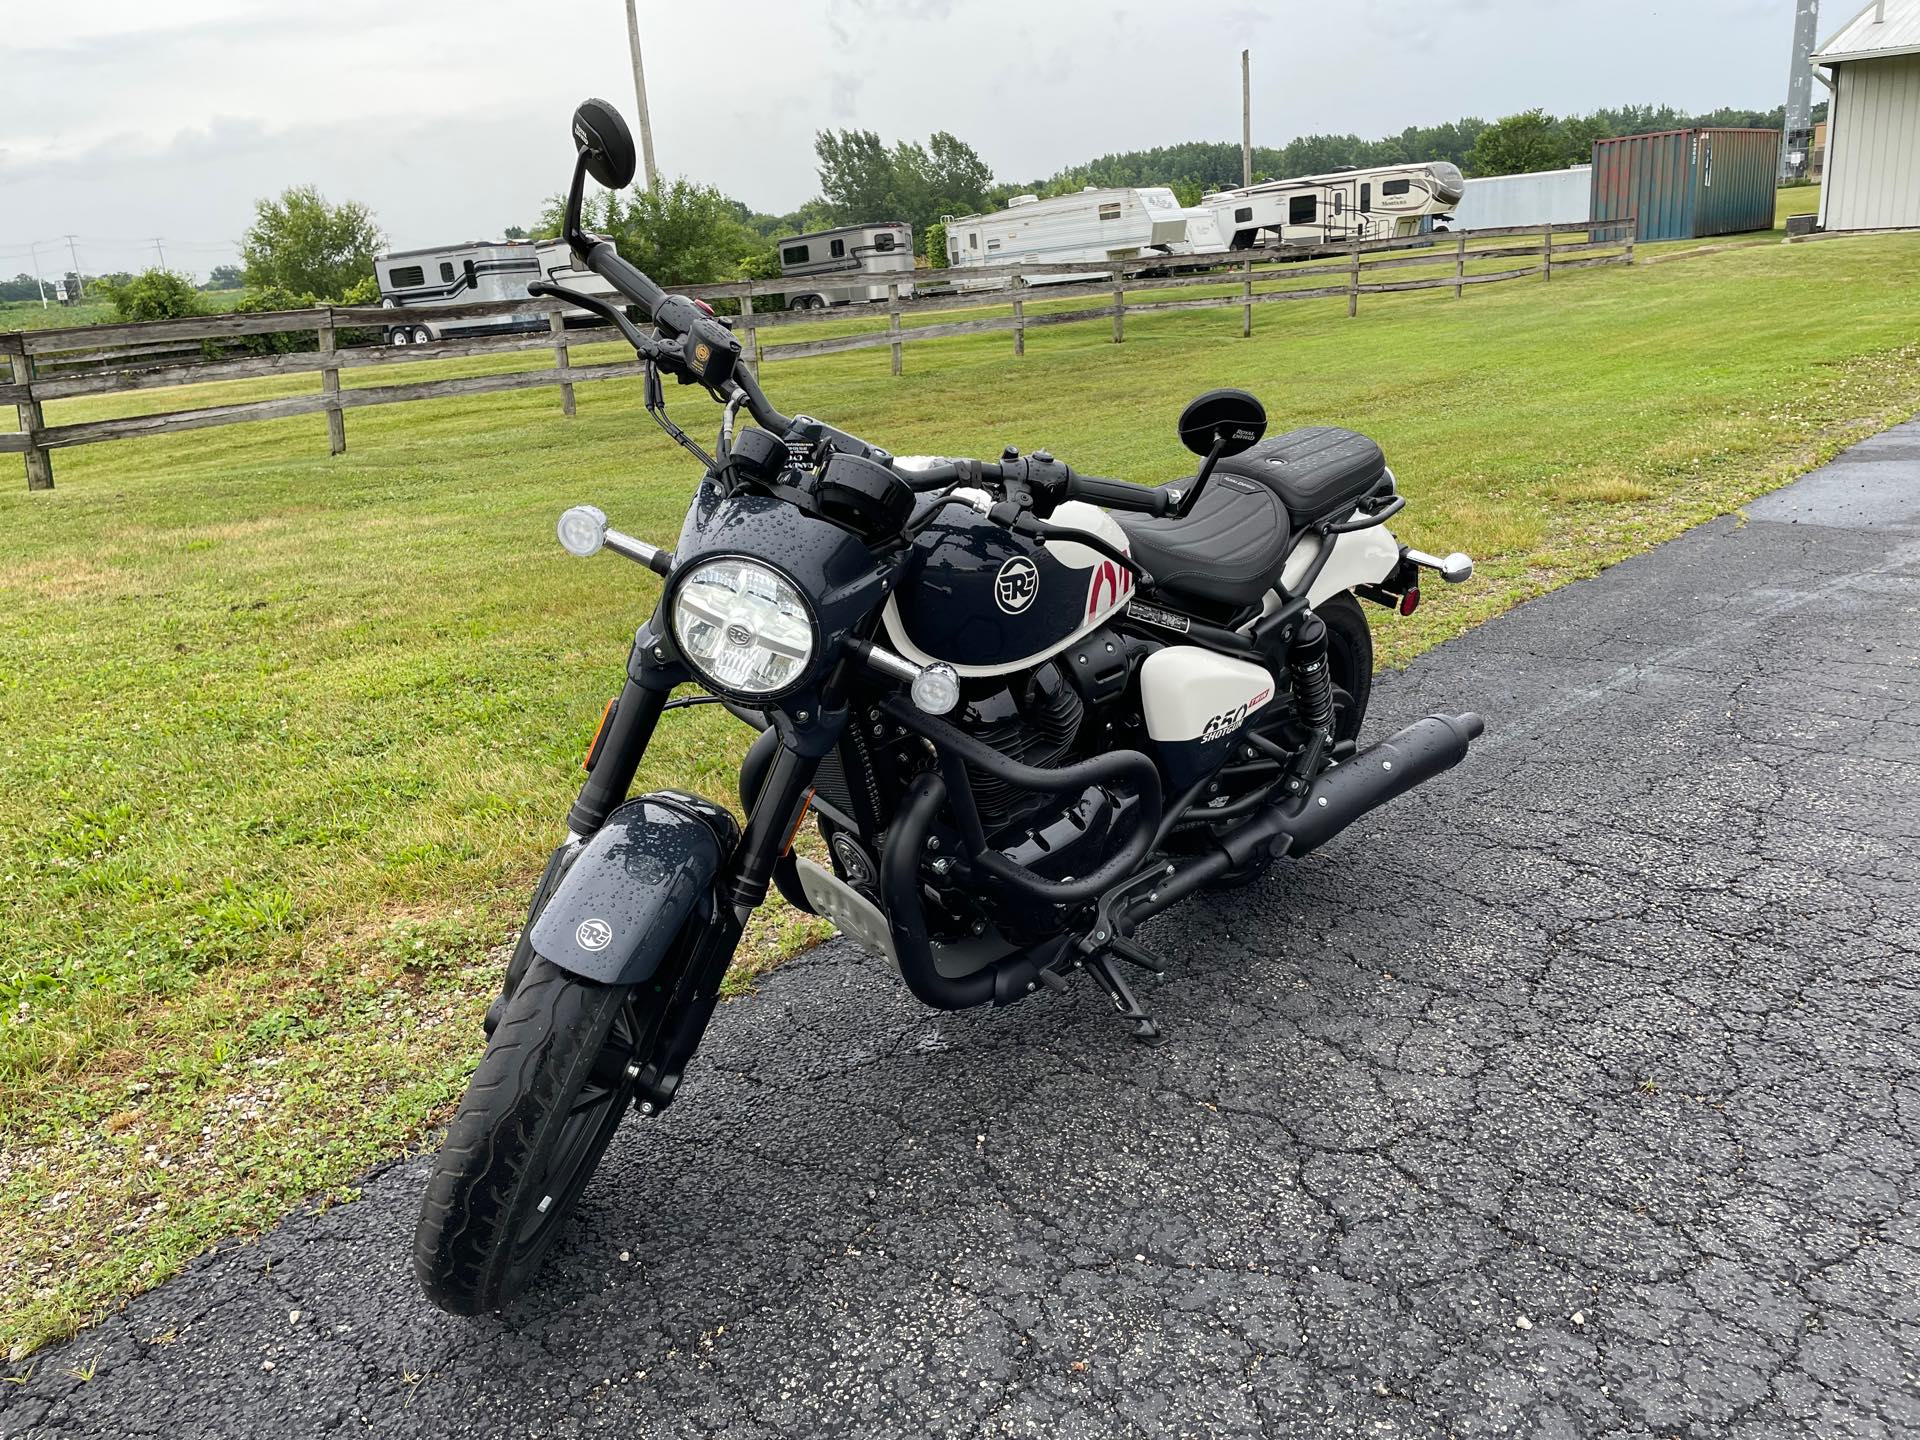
1530 141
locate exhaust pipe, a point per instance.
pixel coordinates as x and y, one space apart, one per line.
1339 797
1376 775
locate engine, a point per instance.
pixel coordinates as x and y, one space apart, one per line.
1034 720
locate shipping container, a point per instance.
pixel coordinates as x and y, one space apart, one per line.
1687 184
1546 197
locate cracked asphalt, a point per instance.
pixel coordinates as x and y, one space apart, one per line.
1573 1095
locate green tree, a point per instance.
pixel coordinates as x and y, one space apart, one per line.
1519 144
861 180
514 232
225 277
680 233
933 245
856 175
153 295
302 243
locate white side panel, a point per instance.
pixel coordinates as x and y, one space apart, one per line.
1192 694
1366 557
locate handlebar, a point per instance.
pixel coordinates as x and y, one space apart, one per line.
1068 484
1118 494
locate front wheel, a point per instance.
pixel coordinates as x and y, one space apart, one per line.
548 1094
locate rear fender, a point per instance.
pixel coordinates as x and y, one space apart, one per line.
631 889
1360 557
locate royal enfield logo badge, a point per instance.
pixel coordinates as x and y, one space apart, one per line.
738 634
594 935
1016 584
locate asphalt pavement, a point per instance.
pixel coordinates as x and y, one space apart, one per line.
1573 1095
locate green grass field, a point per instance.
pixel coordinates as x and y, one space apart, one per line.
287 737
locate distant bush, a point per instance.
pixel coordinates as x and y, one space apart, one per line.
154 295
933 244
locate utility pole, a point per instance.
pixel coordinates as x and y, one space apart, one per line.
33 248
161 253
1246 117
79 280
647 173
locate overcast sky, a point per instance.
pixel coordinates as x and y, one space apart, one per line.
128 119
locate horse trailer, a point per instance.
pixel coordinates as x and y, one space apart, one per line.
852 265
457 275
1091 225
1373 204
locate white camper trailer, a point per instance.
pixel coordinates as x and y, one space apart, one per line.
853 265
1092 225
1374 204
457 275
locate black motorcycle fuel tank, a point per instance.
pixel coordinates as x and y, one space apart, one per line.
989 602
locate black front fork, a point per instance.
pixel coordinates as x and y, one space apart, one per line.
809 726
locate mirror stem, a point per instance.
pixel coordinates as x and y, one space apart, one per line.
1192 497
577 239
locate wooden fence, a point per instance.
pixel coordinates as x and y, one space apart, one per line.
51 365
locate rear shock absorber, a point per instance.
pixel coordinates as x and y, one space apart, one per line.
1312 699
1312 687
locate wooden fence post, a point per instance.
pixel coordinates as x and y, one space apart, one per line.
1546 255
753 331
893 321
330 387
1019 321
1460 267
39 463
1246 301
1119 305
1353 285
561 361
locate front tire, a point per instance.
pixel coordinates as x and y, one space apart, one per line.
549 1092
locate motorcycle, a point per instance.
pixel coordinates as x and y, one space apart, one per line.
1026 708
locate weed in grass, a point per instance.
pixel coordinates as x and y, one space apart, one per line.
286 738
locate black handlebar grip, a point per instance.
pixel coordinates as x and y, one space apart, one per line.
624 276
1119 495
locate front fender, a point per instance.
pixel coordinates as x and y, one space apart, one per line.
629 891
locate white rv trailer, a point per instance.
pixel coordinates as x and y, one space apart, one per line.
1373 204
457 275
1092 225
852 265
1546 197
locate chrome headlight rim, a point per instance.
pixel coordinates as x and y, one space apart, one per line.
684 571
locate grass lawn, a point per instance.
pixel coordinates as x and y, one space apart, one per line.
286 738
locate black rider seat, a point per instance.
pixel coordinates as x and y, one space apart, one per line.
1231 548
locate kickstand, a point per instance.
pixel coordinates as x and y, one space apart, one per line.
1101 967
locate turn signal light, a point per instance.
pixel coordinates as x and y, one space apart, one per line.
599 735
1410 601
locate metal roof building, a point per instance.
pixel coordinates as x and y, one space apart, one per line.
1873 140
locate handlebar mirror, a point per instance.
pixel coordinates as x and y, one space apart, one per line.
603 138
1231 419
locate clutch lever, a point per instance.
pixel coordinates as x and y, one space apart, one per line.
645 344
1022 522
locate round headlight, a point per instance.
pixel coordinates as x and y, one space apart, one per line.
743 626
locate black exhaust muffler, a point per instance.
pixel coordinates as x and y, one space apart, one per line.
1376 775
1339 797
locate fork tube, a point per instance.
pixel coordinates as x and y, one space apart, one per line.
628 735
